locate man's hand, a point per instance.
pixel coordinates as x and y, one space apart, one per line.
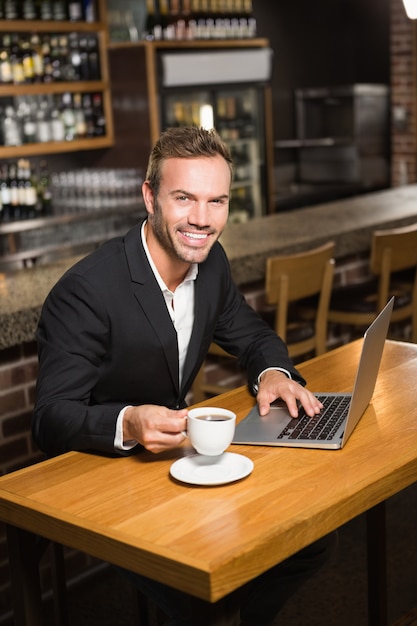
155 427
275 384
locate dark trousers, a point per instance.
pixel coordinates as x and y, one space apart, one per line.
260 600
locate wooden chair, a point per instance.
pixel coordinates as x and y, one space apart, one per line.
203 389
290 282
289 279
393 271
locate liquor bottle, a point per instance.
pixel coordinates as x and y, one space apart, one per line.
98 114
29 127
44 190
11 10
29 10
89 10
11 128
93 57
27 62
14 192
150 31
68 116
46 10
59 10
251 28
16 61
37 58
87 106
43 128
27 190
47 60
80 121
84 63
56 58
56 124
75 10
174 28
5 193
74 57
6 75
164 18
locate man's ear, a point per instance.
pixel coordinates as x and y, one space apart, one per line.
148 197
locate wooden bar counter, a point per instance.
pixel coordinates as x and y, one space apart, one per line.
348 222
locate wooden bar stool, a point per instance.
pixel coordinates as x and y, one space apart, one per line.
393 272
299 286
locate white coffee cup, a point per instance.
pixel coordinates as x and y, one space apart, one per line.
210 429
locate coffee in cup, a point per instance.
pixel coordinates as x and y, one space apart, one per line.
210 429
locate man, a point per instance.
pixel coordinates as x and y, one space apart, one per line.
124 332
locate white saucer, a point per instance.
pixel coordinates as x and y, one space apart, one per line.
211 470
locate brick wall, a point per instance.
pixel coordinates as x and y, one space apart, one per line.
403 100
18 372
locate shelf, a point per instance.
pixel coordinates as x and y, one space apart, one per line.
67 218
35 89
193 43
54 147
25 26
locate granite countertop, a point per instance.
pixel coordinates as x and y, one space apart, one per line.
349 223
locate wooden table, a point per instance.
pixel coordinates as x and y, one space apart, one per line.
208 541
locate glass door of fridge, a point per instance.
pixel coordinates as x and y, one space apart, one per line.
236 115
239 121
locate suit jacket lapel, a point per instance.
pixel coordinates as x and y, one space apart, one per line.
151 300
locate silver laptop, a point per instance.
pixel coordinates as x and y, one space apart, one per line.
336 422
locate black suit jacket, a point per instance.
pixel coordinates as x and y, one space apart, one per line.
106 340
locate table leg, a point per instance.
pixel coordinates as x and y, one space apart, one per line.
377 565
225 612
24 574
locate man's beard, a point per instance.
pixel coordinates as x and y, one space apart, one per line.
171 245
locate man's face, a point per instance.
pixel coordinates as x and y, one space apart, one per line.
191 208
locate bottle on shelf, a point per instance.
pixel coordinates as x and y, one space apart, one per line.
57 128
11 9
151 26
5 198
75 10
29 10
12 132
59 10
45 11
16 61
93 57
44 190
6 74
14 192
37 59
80 121
68 116
98 115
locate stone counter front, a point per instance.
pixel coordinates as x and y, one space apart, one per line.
349 223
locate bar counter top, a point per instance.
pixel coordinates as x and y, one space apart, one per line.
348 222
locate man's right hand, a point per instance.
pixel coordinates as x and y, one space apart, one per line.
155 427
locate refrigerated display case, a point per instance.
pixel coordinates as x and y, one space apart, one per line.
225 89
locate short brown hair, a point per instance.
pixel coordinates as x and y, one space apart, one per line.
184 142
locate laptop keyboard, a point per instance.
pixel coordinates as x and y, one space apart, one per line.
322 426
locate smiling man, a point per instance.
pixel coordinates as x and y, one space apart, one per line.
124 332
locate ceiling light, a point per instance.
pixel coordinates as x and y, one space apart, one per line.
411 8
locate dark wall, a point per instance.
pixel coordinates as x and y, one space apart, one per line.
322 43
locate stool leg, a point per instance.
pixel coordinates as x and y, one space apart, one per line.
377 565
24 574
59 584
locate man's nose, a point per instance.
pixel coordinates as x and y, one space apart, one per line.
199 214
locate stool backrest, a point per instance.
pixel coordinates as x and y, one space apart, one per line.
393 250
294 277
